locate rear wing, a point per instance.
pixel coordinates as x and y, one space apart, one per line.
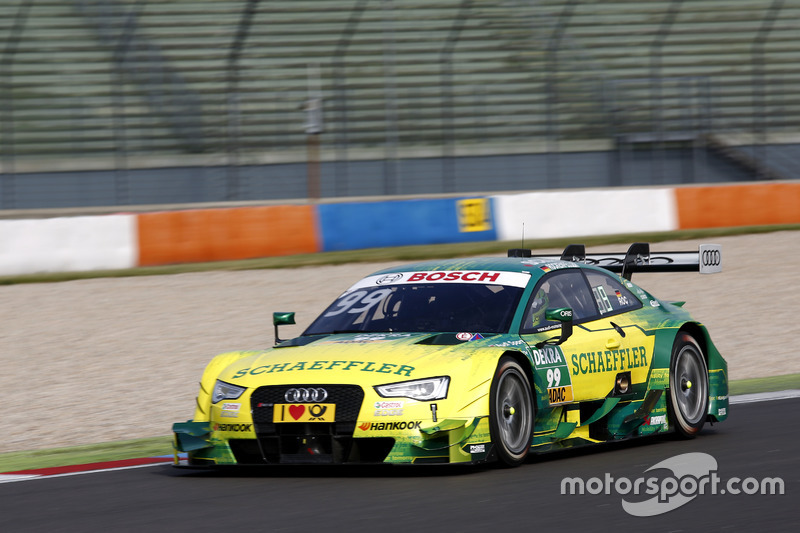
706 260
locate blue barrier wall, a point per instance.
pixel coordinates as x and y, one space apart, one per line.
352 226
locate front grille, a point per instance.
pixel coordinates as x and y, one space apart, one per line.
348 399
308 443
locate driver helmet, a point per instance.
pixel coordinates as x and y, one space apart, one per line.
538 307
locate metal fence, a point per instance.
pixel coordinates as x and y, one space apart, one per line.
139 102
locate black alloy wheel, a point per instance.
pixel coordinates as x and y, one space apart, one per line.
511 412
688 386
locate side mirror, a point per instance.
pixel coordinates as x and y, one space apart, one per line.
280 319
563 315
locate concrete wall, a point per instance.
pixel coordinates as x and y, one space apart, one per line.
411 176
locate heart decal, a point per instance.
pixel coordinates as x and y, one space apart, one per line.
297 411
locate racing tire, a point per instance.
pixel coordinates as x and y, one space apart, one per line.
688 387
511 413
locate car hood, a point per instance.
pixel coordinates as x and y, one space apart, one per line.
369 359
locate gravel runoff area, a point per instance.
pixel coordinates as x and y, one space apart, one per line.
120 358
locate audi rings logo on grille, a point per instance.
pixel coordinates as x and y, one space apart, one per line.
711 258
314 395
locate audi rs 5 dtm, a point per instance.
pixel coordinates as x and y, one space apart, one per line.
468 361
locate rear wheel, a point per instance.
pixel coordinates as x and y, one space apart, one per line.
688 386
511 412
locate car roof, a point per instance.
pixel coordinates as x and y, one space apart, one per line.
535 266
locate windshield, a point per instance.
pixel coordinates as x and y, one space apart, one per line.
423 307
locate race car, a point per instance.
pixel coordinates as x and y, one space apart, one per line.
468 361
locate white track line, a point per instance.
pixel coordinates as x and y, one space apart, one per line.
765 396
11 478
8 478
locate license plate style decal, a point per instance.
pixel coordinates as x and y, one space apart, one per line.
560 395
303 412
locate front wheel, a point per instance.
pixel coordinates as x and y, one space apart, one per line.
511 412
688 386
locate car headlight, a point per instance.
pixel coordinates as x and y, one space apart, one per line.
419 389
226 391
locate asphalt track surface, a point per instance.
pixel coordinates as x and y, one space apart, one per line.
758 440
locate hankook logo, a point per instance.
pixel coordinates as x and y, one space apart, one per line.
314 395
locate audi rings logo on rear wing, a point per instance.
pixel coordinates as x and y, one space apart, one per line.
710 258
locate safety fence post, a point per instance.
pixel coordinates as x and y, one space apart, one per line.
341 169
232 136
759 113
8 189
447 110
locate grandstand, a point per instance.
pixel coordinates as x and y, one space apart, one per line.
102 84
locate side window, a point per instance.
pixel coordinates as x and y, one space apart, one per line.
565 288
610 295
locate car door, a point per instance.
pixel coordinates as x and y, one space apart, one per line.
605 342
557 289
612 345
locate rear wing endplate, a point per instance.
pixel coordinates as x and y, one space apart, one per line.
706 260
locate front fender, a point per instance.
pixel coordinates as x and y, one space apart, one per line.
202 412
474 382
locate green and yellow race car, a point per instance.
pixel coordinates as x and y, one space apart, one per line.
468 361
